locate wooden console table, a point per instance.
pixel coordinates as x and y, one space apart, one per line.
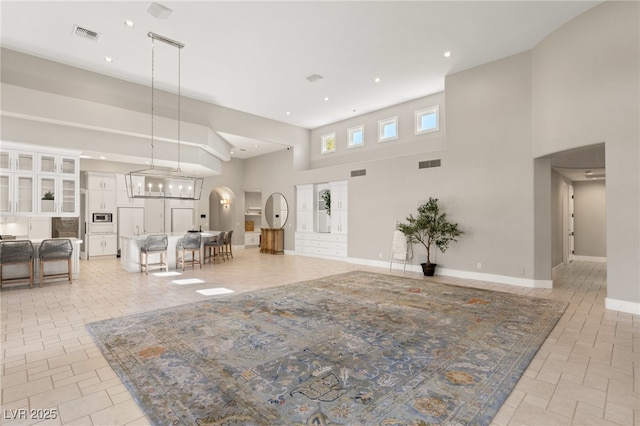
272 241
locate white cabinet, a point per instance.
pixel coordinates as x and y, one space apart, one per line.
35 180
130 223
324 245
58 164
57 195
251 239
39 227
17 160
102 244
308 241
17 193
339 204
304 208
101 190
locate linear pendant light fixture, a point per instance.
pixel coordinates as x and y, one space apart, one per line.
157 182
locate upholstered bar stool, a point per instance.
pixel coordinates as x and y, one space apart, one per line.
226 247
154 244
192 242
214 247
56 250
15 252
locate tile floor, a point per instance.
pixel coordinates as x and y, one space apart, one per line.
586 373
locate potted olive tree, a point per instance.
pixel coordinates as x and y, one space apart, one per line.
430 227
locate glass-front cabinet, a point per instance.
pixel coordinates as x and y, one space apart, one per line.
58 164
6 193
38 180
57 196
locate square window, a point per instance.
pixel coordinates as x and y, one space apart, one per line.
388 129
328 142
427 120
356 136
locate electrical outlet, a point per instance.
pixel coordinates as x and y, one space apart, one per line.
379 255
479 265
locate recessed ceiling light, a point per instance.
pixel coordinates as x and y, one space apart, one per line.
129 23
326 98
377 80
108 59
447 54
288 113
255 146
231 152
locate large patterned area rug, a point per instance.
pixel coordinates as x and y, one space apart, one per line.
352 349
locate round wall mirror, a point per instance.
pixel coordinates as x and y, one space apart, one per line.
276 210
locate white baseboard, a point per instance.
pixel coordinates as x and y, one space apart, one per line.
502 279
622 306
590 259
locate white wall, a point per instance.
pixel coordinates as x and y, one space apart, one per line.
590 200
586 90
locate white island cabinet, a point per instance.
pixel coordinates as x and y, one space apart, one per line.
22 270
131 244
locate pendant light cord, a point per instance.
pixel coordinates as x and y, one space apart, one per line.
179 97
153 49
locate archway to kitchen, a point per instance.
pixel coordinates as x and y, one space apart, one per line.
221 209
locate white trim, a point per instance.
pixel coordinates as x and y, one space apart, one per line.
501 279
382 123
622 306
590 259
325 137
350 132
427 111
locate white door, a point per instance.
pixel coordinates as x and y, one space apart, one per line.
154 216
571 225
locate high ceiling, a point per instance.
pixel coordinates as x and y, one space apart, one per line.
257 56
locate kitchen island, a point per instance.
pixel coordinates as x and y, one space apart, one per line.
22 270
131 244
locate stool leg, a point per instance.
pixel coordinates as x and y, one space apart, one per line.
31 274
41 273
70 272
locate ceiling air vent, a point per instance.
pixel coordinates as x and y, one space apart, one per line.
429 163
85 33
314 77
361 172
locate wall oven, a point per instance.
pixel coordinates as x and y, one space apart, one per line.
102 218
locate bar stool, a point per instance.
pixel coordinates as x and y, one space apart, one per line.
15 252
56 250
154 244
192 242
226 247
214 246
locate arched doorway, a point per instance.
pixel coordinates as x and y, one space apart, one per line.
221 209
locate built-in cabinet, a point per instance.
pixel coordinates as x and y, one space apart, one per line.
318 233
102 190
251 239
252 218
305 208
101 195
102 244
37 181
